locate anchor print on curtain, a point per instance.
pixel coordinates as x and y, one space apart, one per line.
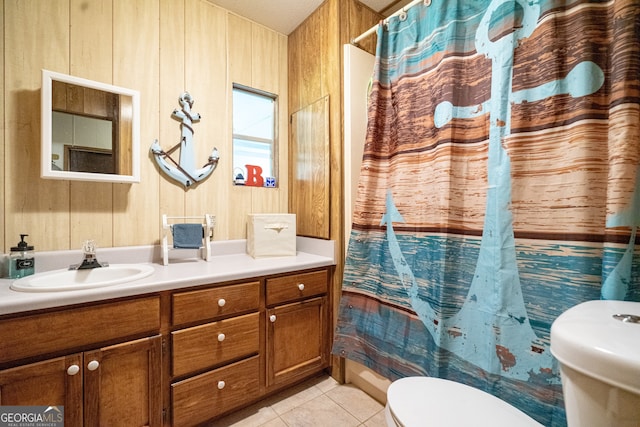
499 187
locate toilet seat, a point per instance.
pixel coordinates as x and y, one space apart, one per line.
426 401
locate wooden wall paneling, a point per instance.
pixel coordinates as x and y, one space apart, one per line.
283 126
265 60
91 57
3 167
206 80
27 197
264 200
125 128
136 52
137 55
304 51
295 81
91 53
265 76
310 146
359 18
316 43
322 159
277 198
311 64
172 84
297 198
240 53
330 25
332 81
294 55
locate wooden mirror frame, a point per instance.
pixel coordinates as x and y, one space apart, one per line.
132 173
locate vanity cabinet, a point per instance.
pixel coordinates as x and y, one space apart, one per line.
101 362
297 332
178 357
215 351
233 344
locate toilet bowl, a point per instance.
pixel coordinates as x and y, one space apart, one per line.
426 401
597 344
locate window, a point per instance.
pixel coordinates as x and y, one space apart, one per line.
254 137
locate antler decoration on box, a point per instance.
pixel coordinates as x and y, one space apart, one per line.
185 171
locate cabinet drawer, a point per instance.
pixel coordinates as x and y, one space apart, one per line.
296 286
208 395
45 333
206 304
214 343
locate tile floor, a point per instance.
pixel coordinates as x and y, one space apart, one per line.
318 402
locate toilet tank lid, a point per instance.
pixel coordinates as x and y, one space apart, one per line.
602 340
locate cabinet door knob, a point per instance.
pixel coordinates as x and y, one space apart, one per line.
221 385
221 302
272 318
93 365
301 286
73 369
221 337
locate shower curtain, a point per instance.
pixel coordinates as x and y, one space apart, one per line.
500 185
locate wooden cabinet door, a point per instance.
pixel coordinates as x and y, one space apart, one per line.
54 382
297 340
123 384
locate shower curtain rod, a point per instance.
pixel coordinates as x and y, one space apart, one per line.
399 12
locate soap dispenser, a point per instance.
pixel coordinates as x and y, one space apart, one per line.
21 260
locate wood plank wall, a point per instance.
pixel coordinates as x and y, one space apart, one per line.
315 71
161 48
2 138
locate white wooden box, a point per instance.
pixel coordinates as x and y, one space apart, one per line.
270 235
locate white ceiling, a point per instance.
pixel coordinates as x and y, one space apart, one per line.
284 16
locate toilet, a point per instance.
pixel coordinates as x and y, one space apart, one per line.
597 344
427 401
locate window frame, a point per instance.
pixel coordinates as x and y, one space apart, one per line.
273 143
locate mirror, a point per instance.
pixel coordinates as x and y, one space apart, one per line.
90 130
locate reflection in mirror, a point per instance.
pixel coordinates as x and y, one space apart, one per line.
75 138
90 130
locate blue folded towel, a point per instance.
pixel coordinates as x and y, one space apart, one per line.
187 236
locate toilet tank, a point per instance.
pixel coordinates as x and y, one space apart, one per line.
597 344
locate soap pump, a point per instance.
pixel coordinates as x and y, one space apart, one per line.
21 260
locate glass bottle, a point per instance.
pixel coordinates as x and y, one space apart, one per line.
21 259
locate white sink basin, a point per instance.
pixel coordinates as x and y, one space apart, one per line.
71 280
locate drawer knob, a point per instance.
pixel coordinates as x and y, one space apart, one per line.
272 318
221 385
73 369
301 286
93 365
221 337
221 302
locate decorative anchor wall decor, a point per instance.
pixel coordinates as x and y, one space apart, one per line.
185 171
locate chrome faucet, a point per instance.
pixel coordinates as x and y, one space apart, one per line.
89 260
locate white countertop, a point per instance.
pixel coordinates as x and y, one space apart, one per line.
229 261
